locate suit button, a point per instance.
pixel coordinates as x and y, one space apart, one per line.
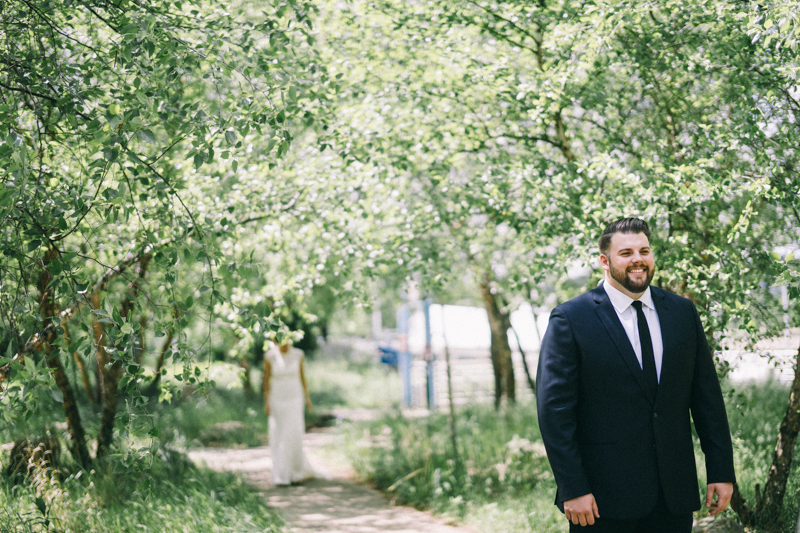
655 415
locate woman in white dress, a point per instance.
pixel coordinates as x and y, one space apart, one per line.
285 389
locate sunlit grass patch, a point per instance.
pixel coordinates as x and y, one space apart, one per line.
342 383
159 493
502 481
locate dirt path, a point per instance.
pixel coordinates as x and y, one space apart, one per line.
332 503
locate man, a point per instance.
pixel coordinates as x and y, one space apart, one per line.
620 369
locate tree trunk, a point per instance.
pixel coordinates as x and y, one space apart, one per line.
79 449
769 502
101 357
248 387
775 488
140 348
531 381
112 373
48 310
452 417
87 385
739 505
499 324
160 364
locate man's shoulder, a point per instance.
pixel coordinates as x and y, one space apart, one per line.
581 303
670 297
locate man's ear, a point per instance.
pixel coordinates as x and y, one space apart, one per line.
604 262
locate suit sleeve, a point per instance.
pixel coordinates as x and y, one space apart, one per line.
708 413
558 377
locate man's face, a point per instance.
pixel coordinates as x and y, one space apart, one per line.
629 265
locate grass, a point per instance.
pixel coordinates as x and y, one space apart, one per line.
228 417
224 418
344 383
505 483
755 414
161 493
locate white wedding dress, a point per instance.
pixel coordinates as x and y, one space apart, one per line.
287 418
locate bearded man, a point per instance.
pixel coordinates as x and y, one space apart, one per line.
620 370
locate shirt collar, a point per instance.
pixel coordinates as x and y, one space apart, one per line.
622 301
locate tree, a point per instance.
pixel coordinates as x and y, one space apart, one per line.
561 116
101 104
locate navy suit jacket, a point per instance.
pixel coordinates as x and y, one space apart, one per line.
603 432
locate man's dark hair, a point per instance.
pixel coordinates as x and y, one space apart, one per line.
623 225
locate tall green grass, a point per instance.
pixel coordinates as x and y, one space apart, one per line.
221 418
160 493
345 383
755 413
229 417
503 481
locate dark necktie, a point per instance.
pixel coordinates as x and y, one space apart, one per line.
648 358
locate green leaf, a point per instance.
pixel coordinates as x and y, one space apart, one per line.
198 160
789 257
57 395
42 506
116 316
147 136
153 432
127 328
6 195
55 267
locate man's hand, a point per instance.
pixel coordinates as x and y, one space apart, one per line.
583 510
724 492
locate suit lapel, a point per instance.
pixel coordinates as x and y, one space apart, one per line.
608 316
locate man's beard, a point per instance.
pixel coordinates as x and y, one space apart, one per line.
621 276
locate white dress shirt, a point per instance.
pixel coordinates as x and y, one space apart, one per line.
627 315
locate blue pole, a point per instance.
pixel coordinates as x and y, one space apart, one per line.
429 357
404 357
